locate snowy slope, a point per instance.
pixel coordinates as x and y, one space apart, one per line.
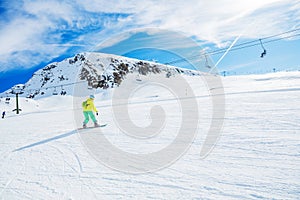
257 156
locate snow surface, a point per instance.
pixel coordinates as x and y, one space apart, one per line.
256 157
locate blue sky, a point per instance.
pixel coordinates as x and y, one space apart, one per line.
35 32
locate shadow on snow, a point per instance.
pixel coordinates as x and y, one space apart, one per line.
46 140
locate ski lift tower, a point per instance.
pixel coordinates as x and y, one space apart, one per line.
17 89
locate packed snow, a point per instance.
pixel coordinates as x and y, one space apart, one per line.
256 157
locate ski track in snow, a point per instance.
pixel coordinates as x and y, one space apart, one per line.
257 156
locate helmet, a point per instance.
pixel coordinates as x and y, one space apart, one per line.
92 96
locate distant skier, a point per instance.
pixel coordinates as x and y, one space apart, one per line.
88 111
3 114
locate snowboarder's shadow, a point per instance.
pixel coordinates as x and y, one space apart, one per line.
46 140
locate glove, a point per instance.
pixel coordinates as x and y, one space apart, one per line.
97 113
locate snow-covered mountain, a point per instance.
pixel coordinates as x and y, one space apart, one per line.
98 70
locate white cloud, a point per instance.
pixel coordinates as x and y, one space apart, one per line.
114 6
24 35
34 34
212 21
217 21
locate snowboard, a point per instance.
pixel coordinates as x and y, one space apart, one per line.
91 127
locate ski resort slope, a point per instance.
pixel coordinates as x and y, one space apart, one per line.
256 157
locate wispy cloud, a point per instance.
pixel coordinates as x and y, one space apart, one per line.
213 21
36 31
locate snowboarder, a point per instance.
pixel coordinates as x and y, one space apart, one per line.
3 114
88 111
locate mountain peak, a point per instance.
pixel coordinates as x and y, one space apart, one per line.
98 70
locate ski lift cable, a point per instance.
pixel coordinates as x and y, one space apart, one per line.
265 38
269 41
256 44
236 47
54 86
286 37
242 45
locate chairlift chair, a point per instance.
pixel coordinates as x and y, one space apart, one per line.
138 78
264 50
206 62
55 92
